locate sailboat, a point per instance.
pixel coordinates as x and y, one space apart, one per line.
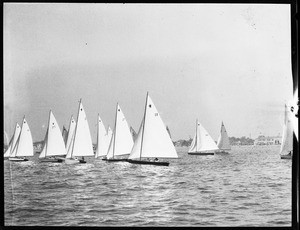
286 149
81 142
121 141
202 144
153 140
54 145
24 145
101 149
13 141
223 141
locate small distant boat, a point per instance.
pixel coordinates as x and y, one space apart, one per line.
54 146
223 141
102 143
24 145
153 140
13 141
81 142
286 149
121 141
202 144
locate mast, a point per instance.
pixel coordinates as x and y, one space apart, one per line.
143 127
76 128
115 131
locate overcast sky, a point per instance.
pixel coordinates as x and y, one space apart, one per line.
214 62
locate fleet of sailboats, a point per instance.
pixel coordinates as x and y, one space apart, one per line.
153 140
151 143
223 141
24 145
54 145
286 149
121 141
202 143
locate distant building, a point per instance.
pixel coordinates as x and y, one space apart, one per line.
263 140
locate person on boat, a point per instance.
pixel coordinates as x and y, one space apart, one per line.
290 153
82 158
155 159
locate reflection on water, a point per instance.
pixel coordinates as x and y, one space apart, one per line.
251 186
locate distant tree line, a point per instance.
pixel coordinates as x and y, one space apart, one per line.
233 141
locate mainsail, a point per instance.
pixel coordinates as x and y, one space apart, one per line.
101 139
121 142
82 144
223 140
13 141
153 139
24 145
202 141
53 143
70 139
287 134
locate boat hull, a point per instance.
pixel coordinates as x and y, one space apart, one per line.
201 153
160 163
286 156
17 159
114 160
53 160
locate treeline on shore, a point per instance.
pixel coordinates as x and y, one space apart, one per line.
233 141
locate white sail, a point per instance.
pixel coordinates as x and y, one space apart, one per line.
82 145
102 136
70 139
24 146
223 140
121 141
203 141
287 135
109 136
193 147
153 138
13 141
54 143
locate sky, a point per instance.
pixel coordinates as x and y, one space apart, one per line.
212 62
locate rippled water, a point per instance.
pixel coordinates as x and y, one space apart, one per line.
251 186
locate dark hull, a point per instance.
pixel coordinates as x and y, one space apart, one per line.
17 159
112 160
149 162
201 154
286 156
54 160
82 161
